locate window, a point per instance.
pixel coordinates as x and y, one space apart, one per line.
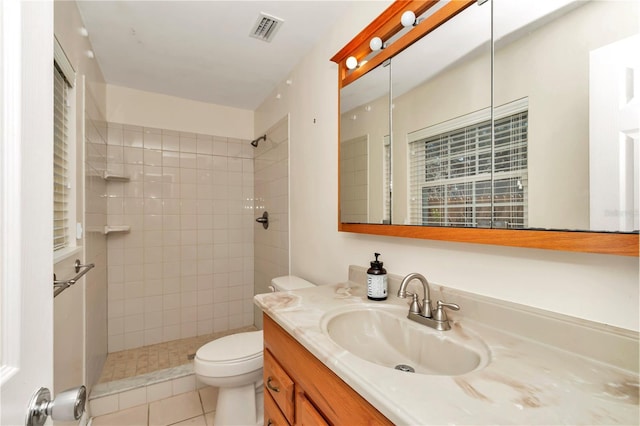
451 171
63 76
386 170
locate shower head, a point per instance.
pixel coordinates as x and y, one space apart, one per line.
254 142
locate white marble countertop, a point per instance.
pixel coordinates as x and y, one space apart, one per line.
526 382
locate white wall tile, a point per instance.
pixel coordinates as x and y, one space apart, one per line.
159 391
187 223
104 405
183 384
132 398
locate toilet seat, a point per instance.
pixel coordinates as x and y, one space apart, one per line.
231 355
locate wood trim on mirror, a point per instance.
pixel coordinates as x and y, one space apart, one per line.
384 26
577 241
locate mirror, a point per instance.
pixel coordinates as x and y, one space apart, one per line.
441 121
577 76
565 120
365 149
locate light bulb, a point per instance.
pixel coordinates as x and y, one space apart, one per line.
408 19
375 44
352 62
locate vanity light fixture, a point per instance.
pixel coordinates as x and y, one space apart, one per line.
376 44
408 19
352 62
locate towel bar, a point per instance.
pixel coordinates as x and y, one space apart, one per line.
62 285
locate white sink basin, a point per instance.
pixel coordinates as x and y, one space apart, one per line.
382 334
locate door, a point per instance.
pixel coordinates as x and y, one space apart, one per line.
614 136
26 174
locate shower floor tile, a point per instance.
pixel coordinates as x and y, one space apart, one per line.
147 359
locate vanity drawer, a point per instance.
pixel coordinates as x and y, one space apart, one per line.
272 414
279 386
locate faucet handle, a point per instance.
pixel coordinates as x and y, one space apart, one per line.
414 307
440 314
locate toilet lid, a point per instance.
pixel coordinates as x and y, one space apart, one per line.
235 347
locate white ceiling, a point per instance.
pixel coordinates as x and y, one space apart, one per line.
201 50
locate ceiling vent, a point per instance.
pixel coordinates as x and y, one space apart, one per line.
266 27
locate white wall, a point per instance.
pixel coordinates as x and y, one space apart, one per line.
147 109
80 329
601 288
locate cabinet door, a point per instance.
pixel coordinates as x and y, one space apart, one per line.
279 385
272 414
306 413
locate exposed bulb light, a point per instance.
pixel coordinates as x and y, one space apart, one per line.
352 62
408 19
83 32
375 44
90 54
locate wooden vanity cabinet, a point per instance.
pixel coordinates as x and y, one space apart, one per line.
319 396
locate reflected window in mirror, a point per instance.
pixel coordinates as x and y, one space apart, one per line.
386 169
455 182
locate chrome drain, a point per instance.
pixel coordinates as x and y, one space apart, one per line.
405 367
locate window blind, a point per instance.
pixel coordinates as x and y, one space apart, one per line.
386 170
453 180
63 81
60 161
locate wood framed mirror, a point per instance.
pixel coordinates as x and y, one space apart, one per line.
397 40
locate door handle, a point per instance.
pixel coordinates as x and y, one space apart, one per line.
66 406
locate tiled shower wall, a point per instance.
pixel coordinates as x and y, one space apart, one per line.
272 195
186 266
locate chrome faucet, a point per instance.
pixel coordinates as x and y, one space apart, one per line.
416 307
422 312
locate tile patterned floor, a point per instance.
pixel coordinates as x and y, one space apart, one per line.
194 408
134 362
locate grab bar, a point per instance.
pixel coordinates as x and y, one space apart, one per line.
62 285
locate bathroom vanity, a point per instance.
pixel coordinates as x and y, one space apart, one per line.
299 389
533 366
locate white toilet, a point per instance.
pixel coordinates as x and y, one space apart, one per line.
234 365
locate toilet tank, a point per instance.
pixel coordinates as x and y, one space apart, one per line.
289 282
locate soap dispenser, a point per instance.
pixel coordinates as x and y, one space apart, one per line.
376 280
